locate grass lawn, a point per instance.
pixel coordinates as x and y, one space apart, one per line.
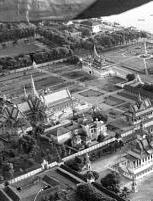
91 93
137 64
47 81
21 48
129 56
86 77
74 74
106 84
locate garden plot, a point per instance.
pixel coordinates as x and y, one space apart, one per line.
127 96
113 101
91 93
125 107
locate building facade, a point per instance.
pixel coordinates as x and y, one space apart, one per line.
141 111
138 161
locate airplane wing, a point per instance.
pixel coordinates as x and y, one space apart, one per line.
36 10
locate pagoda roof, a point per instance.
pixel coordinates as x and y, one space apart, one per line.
141 148
49 99
141 106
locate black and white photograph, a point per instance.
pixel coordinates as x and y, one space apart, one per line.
76 100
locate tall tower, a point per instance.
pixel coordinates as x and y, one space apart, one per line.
97 57
144 59
34 91
25 93
88 162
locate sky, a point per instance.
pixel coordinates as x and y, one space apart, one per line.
134 17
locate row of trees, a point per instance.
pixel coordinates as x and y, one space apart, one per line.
119 37
21 61
54 35
16 34
106 40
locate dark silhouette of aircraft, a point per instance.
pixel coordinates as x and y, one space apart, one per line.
37 10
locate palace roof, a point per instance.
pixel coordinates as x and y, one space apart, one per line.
141 148
141 106
55 97
49 99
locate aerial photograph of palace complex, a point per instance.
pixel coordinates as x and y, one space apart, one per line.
76 100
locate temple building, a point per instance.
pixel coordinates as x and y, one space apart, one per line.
12 120
138 161
96 65
45 105
141 111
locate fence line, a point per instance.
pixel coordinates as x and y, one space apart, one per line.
38 65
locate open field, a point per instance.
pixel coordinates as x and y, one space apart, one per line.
129 57
78 75
106 84
21 48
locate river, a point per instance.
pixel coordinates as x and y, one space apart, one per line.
140 17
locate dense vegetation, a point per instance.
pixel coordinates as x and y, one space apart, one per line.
16 34
88 192
21 61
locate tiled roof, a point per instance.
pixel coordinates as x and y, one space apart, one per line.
56 96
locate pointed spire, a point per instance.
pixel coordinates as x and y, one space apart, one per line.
96 56
4 97
88 162
25 93
138 79
68 92
34 64
145 65
145 47
139 97
34 91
